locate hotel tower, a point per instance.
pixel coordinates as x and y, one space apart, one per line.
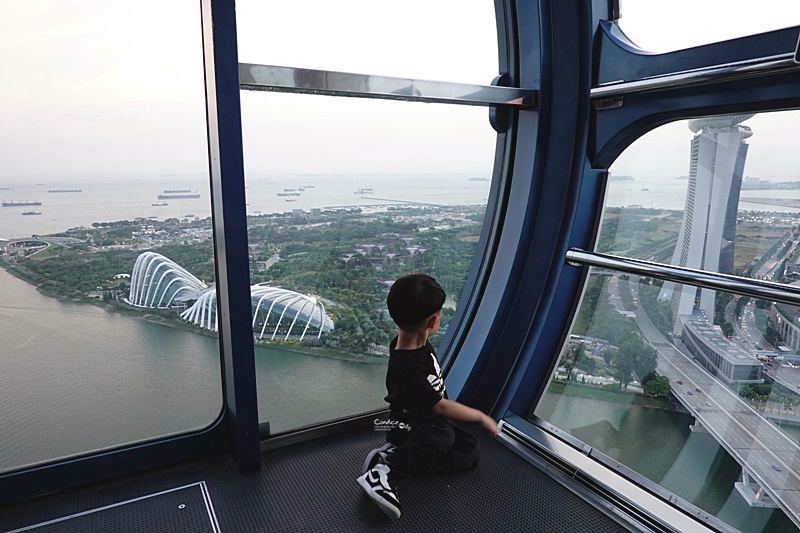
708 230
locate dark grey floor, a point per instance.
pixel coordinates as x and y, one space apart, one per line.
312 487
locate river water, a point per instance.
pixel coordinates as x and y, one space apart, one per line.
75 378
659 445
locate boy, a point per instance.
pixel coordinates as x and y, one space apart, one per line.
423 440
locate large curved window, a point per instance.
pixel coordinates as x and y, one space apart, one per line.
695 389
451 40
698 23
344 195
104 228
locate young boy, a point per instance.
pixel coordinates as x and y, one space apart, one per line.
423 440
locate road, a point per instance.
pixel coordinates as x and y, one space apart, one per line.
770 456
786 376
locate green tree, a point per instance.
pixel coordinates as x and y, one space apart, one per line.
657 386
635 357
574 355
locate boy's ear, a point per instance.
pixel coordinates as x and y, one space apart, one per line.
431 321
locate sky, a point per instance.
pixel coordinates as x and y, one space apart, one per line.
94 87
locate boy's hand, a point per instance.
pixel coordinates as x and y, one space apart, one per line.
490 425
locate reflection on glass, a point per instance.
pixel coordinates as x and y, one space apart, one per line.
703 414
105 235
377 190
697 390
708 203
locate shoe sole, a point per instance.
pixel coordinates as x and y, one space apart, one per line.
388 509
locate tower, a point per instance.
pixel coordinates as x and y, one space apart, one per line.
708 229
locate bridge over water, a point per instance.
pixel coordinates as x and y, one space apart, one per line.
767 454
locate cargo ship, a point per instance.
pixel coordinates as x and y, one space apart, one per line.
64 190
159 204
289 194
176 191
34 212
21 203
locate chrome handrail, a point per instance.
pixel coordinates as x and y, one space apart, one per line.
711 74
765 290
308 81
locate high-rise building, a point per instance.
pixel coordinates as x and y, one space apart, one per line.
708 230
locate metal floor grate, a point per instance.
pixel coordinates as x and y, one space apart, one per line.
311 487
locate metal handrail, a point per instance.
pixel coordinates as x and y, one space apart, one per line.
765 290
711 74
308 81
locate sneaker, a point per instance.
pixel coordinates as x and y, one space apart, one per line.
377 456
376 484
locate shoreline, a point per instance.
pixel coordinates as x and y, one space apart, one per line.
619 397
115 306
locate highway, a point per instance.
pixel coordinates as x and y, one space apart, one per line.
770 456
786 376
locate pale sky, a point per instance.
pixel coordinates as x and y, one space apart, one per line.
106 87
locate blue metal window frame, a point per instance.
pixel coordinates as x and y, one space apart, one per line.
530 295
236 431
556 198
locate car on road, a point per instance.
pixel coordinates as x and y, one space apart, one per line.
776 468
698 390
680 382
690 393
709 404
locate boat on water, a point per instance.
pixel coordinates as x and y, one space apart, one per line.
291 200
159 204
479 179
188 215
178 196
289 190
176 191
365 190
21 203
33 212
308 186
289 194
64 190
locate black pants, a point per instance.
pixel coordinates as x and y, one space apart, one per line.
433 446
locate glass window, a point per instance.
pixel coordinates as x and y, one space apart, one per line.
105 234
344 196
697 390
715 193
691 23
450 40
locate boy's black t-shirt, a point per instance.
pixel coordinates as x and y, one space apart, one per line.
413 380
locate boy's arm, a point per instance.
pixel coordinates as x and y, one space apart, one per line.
459 411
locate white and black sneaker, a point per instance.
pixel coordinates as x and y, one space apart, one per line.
377 456
376 484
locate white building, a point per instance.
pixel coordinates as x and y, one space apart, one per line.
708 229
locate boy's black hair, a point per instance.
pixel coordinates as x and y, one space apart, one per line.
414 298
